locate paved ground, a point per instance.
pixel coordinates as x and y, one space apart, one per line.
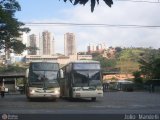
111 103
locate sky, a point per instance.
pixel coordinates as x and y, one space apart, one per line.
121 13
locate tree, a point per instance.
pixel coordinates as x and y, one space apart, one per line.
137 77
127 60
10 27
150 64
106 64
93 2
156 68
18 46
32 50
118 49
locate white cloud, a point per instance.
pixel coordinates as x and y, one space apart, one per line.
120 13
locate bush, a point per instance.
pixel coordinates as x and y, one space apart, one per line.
12 69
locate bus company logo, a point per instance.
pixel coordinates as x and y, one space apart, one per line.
4 116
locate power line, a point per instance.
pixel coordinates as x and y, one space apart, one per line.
144 1
90 25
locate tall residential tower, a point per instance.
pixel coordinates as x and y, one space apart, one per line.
69 44
33 45
47 42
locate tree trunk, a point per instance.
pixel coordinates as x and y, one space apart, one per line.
7 55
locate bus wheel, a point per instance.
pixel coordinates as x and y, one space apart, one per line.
55 99
29 99
93 99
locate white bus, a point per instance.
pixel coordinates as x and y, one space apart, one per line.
42 80
81 79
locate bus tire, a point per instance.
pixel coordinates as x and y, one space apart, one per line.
29 99
93 99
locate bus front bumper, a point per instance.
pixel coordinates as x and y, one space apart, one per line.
44 95
40 93
87 94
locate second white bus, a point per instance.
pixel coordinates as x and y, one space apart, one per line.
82 79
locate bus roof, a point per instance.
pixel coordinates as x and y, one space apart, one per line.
43 62
81 61
85 61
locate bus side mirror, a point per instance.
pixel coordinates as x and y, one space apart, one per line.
27 72
61 73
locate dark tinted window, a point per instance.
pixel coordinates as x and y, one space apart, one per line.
45 66
90 66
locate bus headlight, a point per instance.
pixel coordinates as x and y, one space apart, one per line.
56 91
32 91
99 88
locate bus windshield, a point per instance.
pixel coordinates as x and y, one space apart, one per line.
86 78
47 77
43 72
44 76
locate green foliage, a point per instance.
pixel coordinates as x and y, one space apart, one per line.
19 81
10 27
132 54
127 59
33 50
93 2
18 46
137 77
12 68
156 68
106 64
150 64
145 61
118 49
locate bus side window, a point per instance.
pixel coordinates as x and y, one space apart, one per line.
27 72
61 73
